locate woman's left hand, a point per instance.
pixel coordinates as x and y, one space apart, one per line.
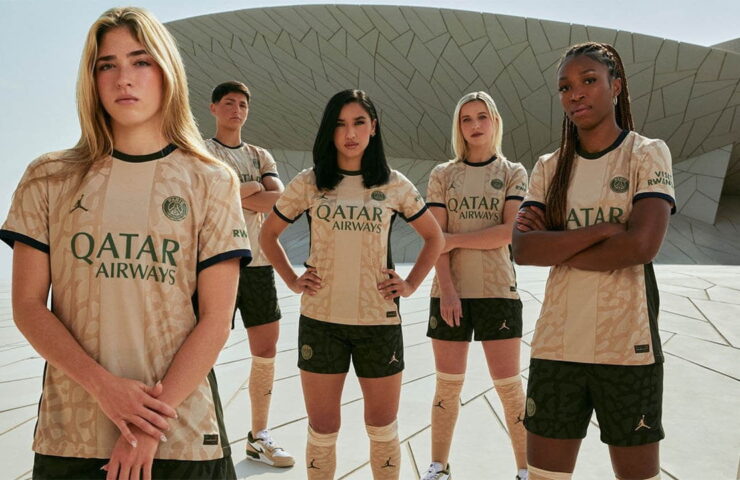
530 218
128 462
394 286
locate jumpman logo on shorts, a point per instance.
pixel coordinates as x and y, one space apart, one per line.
269 392
388 464
642 424
504 326
312 465
79 204
519 419
393 358
439 404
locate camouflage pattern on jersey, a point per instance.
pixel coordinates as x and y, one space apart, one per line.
474 194
603 317
350 227
125 251
251 163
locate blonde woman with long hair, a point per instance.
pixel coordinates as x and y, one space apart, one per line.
474 198
137 231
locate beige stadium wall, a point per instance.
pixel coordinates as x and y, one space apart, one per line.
416 62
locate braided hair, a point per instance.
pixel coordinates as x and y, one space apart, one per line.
556 199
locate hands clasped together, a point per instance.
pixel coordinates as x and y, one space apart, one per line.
142 419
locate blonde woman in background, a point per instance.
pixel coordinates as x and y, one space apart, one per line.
474 198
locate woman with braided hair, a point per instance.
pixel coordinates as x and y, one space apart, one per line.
596 213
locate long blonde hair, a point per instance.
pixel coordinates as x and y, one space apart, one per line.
178 124
459 145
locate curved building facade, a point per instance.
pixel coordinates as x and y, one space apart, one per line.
417 62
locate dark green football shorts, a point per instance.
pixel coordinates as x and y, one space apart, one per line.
627 399
256 297
375 350
489 318
48 467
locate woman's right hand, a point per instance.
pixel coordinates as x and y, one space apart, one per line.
308 283
127 401
450 308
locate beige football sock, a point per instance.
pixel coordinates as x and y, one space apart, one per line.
657 477
321 455
511 393
260 391
539 474
445 409
385 451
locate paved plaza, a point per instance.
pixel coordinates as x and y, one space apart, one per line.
700 328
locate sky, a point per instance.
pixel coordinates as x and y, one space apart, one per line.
41 42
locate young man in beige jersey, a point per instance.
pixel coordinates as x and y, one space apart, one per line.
256 297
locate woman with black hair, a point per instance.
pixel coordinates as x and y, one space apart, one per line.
596 212
349 306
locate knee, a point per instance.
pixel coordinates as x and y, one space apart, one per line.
263 351
325 424
380 418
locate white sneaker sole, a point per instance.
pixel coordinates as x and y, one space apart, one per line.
261 457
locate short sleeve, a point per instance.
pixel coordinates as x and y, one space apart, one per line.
410 204
268 166
223 234
211 147
28 218
536 192
436 188
294 200
516 188
655 174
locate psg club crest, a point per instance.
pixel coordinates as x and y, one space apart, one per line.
175 208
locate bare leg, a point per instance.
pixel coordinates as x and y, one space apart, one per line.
636 463
552 454
381 397
322 394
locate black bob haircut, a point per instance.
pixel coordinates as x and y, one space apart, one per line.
374 166
226 88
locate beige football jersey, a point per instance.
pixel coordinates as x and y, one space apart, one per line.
603 317
125 252
474 195
350 228
251 163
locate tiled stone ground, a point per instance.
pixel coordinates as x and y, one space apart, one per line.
700 327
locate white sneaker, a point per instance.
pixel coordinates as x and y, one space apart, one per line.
522 475
437 472
262 448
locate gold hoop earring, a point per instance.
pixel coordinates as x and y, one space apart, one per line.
615 100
